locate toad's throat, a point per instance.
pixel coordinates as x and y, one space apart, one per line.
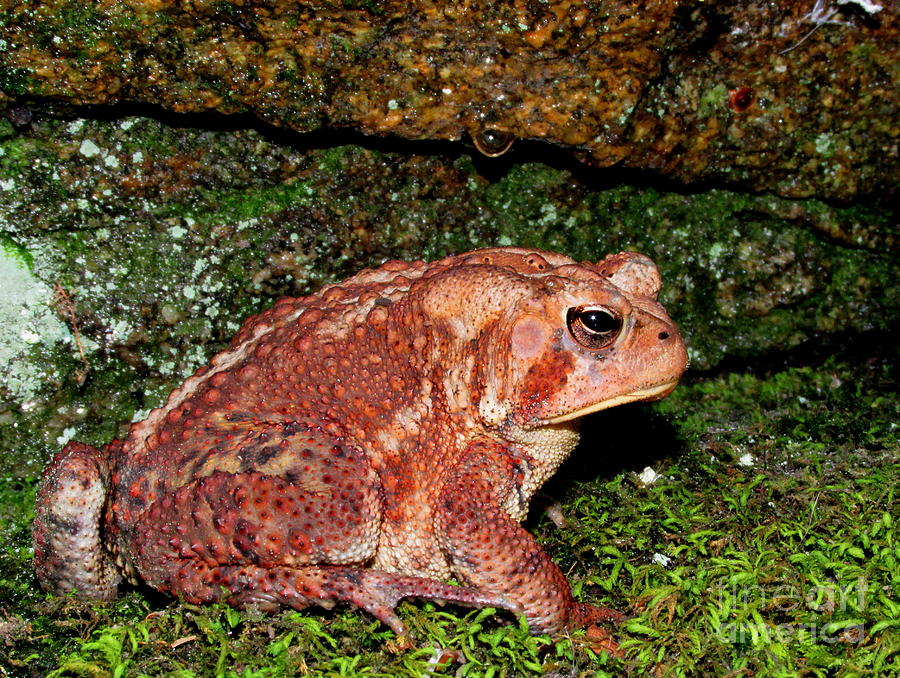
649 393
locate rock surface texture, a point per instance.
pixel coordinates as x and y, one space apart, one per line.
797 98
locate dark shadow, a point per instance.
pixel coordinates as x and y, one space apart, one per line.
859 347
627 438
25 112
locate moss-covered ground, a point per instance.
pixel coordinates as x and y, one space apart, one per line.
764 542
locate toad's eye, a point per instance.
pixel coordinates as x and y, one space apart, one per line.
594 326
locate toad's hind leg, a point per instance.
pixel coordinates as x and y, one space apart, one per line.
297 524
375 591
296 501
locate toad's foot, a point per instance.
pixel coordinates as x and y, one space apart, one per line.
589 617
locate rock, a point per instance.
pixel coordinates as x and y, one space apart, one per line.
151 242
761 95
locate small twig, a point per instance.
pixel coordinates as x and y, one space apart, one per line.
818 18
183 640
64 301
821 14
802 40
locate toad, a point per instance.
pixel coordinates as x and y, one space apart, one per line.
369 442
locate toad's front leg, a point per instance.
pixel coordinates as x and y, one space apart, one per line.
491 551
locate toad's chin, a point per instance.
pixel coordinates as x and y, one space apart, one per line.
649 393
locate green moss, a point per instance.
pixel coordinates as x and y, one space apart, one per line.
246 204
12 250
82 20
713 101
16 514
15 81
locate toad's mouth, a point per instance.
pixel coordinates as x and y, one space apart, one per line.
649 393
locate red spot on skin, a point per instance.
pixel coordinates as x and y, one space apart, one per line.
136 490
282 309
334 294
248 373
309 316
240 496
545 378
740 99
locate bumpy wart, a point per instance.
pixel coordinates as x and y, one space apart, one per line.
368 442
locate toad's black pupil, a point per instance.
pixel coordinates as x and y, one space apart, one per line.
600 322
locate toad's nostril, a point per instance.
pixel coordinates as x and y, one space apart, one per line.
663 335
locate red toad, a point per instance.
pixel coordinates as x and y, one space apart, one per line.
368 442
